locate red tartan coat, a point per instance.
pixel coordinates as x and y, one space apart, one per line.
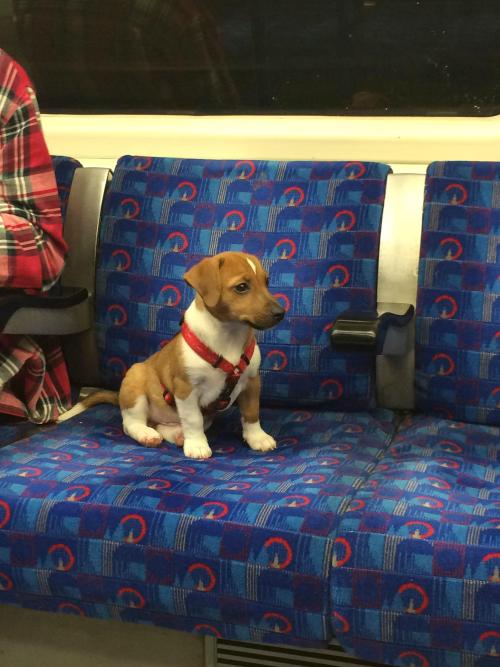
34 382
32 248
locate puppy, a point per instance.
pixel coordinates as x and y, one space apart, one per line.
211 363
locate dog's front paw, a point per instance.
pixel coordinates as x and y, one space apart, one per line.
197 448
259 440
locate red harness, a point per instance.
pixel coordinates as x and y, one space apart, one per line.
233 372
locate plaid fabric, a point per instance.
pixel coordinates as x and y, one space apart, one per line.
34 381
32 248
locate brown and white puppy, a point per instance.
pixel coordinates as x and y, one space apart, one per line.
232 299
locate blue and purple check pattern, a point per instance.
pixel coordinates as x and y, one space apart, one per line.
387 538
315 226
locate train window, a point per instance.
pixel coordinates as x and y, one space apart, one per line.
387 57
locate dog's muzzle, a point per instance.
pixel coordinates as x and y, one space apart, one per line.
273 316
277 313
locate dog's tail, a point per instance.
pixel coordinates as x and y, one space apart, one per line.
103 396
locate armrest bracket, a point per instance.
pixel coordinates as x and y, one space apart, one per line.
384 331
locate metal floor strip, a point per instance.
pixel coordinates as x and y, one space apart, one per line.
241 654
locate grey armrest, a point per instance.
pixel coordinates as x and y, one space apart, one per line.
81 233
68 307
65 312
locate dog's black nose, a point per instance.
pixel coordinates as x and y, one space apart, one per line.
278 313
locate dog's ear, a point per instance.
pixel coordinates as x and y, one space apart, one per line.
205 278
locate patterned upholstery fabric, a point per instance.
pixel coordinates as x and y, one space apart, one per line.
417 555
416 578
314 225
64 168
390 543
458 309
13 430
238 546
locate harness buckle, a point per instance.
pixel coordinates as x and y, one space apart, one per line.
218 361
168 397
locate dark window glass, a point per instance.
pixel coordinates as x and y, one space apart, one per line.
411 57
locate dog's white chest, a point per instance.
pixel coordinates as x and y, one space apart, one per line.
208 382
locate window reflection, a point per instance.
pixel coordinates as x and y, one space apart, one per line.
254 56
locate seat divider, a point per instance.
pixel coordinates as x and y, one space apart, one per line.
397 281
81 232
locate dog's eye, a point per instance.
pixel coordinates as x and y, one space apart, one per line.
241 288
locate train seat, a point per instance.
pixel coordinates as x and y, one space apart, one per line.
64 169
384 534
241 545
418 551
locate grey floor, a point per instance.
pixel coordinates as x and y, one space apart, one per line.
39 639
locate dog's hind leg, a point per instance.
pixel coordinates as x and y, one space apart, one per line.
174 433
134 405
135 424
171 433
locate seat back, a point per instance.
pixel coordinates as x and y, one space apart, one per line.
315 226
458 305
64 168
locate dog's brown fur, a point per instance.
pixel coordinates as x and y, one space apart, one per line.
216 281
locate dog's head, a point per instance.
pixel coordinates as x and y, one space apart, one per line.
233 287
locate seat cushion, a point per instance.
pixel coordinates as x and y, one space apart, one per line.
417 576
237 546
315 227
12 429
458 306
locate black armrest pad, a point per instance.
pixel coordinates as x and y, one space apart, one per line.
367 330
66 297
355 330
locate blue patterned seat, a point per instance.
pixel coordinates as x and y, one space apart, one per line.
64 168
457 360
239 546
12 430
314 226
417 555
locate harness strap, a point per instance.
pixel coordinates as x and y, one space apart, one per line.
233 371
